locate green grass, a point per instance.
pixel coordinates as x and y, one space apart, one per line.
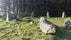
21 30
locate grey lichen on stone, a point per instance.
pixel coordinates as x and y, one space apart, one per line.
67 23
46 26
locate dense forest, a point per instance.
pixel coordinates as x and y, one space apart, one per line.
40 7
22 8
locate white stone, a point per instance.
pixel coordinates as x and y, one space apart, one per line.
46 27
7 17
31 22
63 14
48 15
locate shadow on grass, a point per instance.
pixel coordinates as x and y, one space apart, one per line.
25 38
62 34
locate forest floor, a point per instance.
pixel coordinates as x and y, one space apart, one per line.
21 30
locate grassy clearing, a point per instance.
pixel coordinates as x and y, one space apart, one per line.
22 30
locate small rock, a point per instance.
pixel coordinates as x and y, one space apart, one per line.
30 21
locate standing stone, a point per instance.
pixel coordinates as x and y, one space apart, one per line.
63 14
7 14
32 14
48 15
7 18
46 26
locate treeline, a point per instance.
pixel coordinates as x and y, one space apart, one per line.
39 7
